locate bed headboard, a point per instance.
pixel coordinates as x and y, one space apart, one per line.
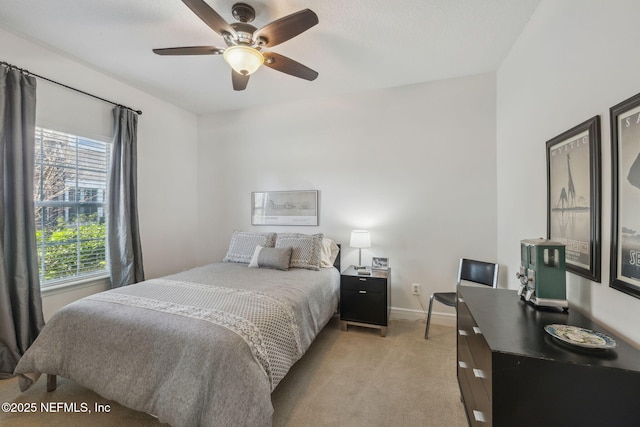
336 263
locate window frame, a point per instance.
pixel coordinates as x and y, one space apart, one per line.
88 179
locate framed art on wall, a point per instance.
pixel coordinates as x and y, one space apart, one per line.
573 196
625 196
284 208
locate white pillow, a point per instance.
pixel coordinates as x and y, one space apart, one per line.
329 253
306 249
243 245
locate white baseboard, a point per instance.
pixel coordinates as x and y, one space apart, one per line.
442 319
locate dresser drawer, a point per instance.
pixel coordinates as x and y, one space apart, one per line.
481 414
477 386
464 355
481 355
465 391
465 320
476 400
474 368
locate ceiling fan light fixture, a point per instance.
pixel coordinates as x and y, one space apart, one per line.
243 59
244 41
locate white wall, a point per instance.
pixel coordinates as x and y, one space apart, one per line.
416 165
574 60
167 153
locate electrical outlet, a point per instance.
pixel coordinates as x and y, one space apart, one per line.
416 289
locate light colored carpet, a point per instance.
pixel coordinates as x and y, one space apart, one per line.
353 378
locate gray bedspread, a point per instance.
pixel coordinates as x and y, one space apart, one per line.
202 347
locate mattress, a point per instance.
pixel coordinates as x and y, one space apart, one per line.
203 347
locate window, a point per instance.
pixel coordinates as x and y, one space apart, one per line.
70 190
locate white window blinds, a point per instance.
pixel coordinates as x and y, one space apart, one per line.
70 191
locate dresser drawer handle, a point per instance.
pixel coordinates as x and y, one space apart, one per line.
479 416
477 330
479 373
462 332
462 364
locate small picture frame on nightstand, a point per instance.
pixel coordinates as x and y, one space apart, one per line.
378 263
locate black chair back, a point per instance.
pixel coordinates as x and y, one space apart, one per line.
481 272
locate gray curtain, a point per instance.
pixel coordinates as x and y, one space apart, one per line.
21 318
125 250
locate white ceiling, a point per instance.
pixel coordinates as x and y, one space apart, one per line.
359 45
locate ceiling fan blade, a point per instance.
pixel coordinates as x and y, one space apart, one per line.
210 17
286 28
239 81
191 50
288 66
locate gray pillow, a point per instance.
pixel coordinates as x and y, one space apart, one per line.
275 258
306 249
243 245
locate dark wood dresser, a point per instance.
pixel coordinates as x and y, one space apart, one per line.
511 372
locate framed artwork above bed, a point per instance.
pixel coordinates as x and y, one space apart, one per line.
284 208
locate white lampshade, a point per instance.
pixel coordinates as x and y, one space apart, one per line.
244 59
360 239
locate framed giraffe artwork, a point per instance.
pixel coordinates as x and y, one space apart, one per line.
625 196
574 196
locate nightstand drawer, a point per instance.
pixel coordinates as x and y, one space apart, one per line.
363 306
359 283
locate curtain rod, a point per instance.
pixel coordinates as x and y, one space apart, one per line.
139 112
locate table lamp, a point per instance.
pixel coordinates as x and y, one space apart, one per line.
360 239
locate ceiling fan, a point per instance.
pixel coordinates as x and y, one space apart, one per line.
245 42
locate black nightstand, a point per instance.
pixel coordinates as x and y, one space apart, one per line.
365 300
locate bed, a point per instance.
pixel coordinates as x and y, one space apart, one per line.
202 347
